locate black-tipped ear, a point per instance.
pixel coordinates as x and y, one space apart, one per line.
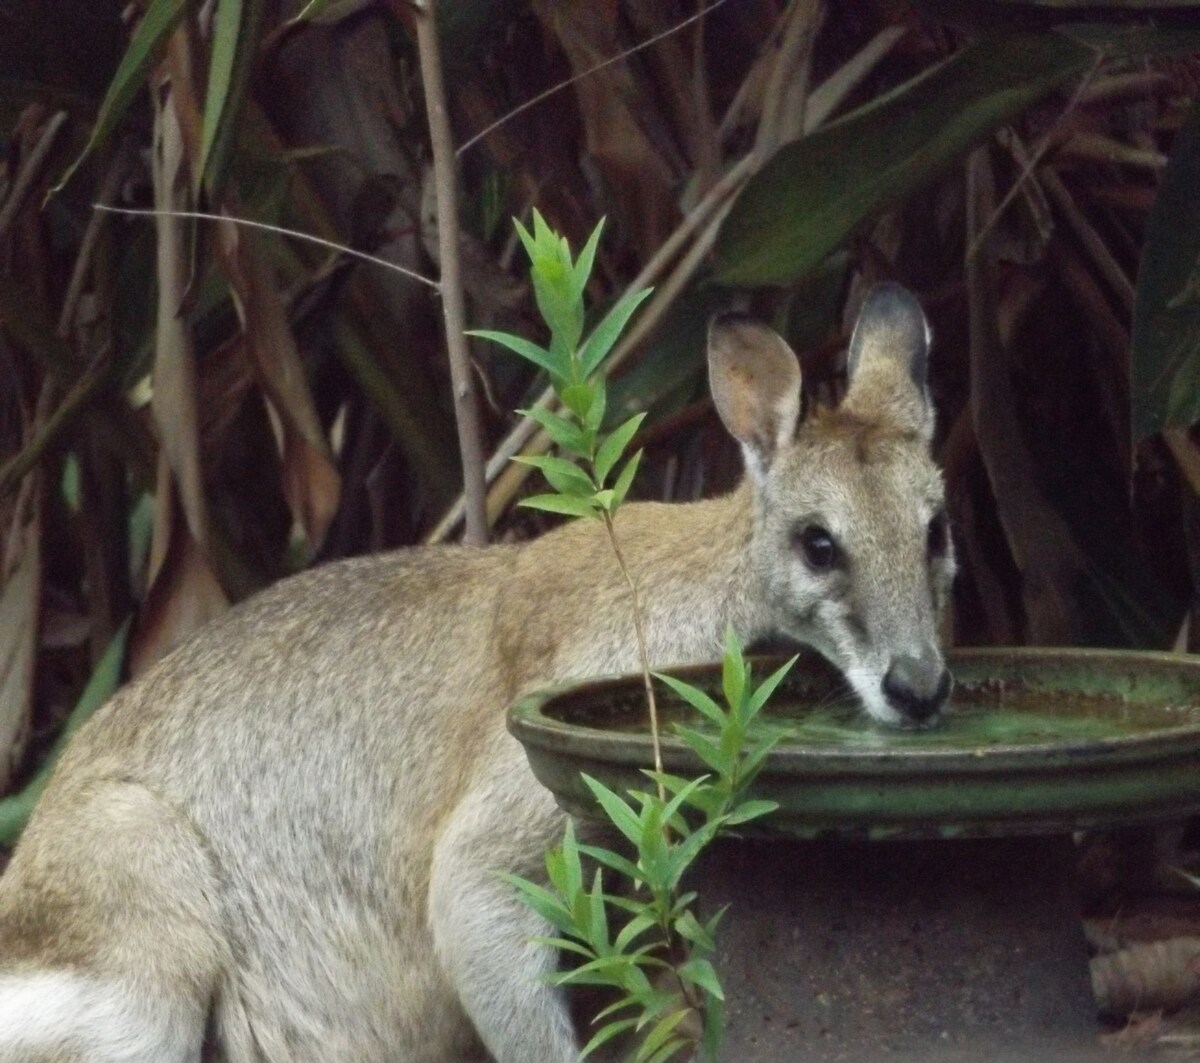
889 358
755 382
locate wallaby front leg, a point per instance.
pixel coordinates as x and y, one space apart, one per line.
482 931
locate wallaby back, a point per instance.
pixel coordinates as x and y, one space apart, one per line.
284 837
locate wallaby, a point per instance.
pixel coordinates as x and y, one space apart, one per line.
280 844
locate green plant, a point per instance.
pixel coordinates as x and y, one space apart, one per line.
658 961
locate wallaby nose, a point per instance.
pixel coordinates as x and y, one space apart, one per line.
916 687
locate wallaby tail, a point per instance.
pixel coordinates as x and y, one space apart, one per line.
64 1015
110 932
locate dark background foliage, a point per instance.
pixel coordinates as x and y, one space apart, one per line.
189 411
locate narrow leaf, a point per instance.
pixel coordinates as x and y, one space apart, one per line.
620 864
583 264
766 688
1166 314
733 672
659 1035
564 476
160 19
567 435
815 192
595 414
614 445
749 810
606 1033
527 350
604 335
227 27
16 808
543 902
700 972
688 927
565 504
578 398
621 487
621 815
695 697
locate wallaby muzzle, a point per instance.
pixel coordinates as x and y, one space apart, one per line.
917 688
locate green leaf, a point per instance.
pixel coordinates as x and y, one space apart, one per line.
625 480
620 814
817 191
700 972
605 1034
605 334
595 413
766 688
583 264
614 445
733 672
670 1050
546 904
566 434
688 927
714 1028
660 1035
695 697
616 861
527 241
527 350
224 112
632 930
564 504
1166 312
573 882
578 398
706 749
752 761
679 799
162 16
599 916
689 849
748 810
16 808
564 476
227 27
562 313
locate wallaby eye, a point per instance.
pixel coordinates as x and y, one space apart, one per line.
817 547
938 537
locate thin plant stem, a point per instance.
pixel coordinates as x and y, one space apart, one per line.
708 214
51 425
445 182
567 82
643 653
1035 159
296 234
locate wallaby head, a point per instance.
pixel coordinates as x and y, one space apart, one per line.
851 546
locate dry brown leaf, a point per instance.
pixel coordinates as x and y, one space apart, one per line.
183 591
174 402
634 171
20 595
1041 544
311 482
184 594
1146 977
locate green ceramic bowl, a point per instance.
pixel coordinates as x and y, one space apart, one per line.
1034 741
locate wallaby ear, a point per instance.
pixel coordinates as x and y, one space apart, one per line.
888 360
755 382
